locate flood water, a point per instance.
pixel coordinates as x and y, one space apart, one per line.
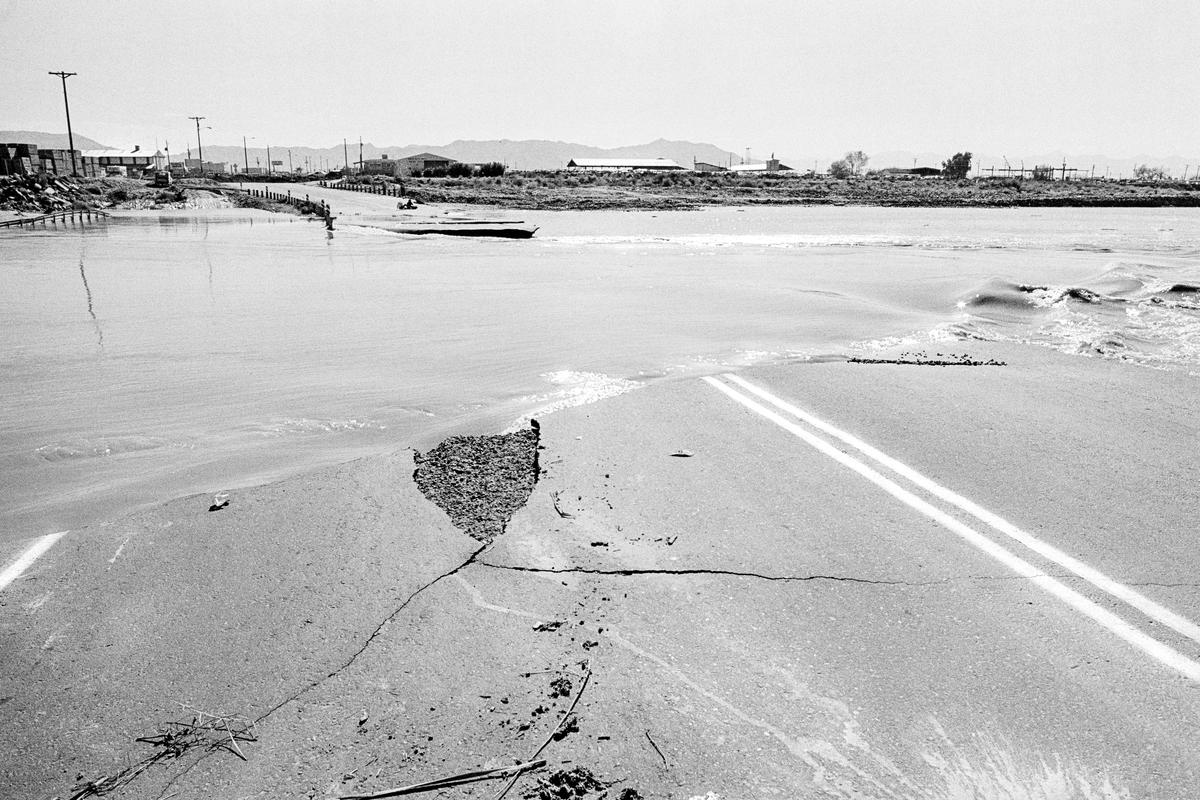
155 356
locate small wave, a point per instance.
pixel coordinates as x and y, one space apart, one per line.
284 426
573 388
101 447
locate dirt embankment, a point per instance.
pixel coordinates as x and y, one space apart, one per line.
42 194
682 190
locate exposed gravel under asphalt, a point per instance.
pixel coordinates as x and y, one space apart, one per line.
480 481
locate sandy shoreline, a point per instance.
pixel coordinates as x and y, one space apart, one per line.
375 644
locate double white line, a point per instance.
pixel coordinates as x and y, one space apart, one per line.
792 424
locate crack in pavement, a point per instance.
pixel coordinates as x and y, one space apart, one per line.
375 633
627 572
345 665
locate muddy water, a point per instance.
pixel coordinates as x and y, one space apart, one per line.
156 356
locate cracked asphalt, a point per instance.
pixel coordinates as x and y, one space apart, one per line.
756 619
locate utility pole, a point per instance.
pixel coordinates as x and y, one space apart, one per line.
245 154
67 106
360 155
345 154
290 167
270 169
199 147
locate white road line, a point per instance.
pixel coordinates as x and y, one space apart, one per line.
1164 654
1151 609
14 570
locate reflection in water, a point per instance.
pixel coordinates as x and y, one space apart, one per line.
91 310
208 261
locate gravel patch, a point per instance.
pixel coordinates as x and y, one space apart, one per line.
480 481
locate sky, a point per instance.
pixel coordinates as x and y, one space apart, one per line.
793 77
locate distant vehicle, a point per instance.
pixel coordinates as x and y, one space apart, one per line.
162 178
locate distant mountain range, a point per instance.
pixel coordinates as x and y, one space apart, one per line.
50 141
530 154
522 155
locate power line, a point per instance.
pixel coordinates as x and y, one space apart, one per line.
67 105
199 147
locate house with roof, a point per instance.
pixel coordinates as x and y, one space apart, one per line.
403 167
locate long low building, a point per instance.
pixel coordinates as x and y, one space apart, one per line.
408 165
772 165
613 164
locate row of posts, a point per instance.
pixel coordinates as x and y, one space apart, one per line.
306 205
387 189
74 215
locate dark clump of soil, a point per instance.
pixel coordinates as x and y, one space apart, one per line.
565 785
480 481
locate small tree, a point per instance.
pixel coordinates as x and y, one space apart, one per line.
957 166
857 161
840 169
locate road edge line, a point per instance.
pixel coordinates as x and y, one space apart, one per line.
26 559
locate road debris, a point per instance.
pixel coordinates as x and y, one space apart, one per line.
475 776
558 509
568 714
564 784
655 746
206 731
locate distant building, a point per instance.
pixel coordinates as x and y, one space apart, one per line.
402 167
196 166
133 163
381 166
772 165
701 166
915 172
411 165
614 164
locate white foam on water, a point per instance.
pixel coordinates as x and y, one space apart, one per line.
102 446
573 388
283 426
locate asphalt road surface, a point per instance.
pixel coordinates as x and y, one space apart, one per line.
811 580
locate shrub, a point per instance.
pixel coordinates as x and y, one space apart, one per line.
1145 172
957 166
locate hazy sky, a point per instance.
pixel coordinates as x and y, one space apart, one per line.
799 77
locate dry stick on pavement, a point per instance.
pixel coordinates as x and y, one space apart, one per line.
655 746
587 677
453 780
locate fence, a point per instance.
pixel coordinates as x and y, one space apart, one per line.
74 216
305 206
386 189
